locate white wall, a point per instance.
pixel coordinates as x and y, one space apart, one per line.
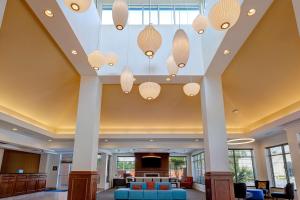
1 157
47 162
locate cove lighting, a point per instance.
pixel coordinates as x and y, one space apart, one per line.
240 141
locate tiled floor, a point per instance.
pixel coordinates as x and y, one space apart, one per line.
107 195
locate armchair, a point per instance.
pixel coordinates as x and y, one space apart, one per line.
187 182
287 194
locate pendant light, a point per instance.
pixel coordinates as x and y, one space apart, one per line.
127 80
149 40
191 89
96 59
120 14
78 5
111 59
200 23
172 67
224 14
181 48
149 90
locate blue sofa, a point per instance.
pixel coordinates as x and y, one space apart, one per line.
145 194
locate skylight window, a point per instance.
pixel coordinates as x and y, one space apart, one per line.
160 14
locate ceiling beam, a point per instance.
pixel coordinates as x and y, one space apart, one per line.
296 5
61 28
235 37
2 10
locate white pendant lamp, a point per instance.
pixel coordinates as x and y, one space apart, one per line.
149 90
96 59
224 14
111 59
149 40
127 80
120 14
172 67
78 5
191 89
200 23
181 48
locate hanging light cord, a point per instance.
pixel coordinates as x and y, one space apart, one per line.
149 69
150 6
128 38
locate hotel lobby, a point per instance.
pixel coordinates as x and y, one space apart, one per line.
149 99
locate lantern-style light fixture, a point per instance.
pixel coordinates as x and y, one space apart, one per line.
120 14
96 59
149 40
200 24
111 59
149 90
181 48
191 89
127 80
224 14
78 5
172 67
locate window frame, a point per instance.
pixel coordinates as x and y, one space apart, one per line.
283 153
234 162
196 160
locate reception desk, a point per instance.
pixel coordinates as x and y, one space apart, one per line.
17 184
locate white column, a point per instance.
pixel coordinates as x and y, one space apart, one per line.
103 171
87 130
1 156
2 10
292 133
215 136
50 164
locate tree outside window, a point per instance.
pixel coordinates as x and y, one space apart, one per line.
125 165
178 166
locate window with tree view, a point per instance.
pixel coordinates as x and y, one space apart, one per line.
241 164
126 165
178 166
281 165
198 167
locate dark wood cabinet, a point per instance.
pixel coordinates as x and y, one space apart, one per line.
17 184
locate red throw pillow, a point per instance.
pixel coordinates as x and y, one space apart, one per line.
164 187
137 187
150 185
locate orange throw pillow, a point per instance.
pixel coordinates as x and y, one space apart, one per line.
150 185
164 187
137 187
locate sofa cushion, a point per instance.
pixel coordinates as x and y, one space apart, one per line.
121 193
150 185
136 194
150 194
137 187
163 186
140 184
164 194
179 194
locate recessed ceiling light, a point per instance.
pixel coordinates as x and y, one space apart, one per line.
74 52
49 140
251 12
151 140
14 129
49 13
196 140
168 79
106 140
227 52
235 111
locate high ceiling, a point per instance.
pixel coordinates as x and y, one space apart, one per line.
36 79
263 78
39 85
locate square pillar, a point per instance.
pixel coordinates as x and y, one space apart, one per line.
83 178
218 178
293 137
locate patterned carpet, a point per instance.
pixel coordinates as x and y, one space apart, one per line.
192 195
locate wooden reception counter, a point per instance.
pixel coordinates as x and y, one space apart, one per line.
17 184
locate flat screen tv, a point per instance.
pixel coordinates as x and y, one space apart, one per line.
151 162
